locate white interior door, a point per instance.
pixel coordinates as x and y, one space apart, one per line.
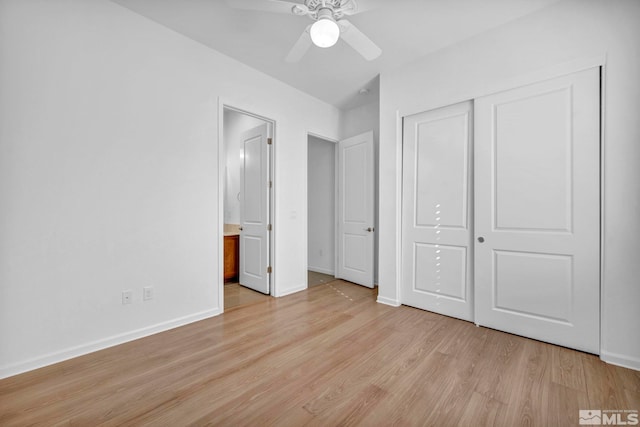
537 211
356 209
254 209
436 221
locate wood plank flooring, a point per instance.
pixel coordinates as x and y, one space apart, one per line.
315 279
327 356
236 296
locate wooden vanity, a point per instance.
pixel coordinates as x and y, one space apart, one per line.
231 252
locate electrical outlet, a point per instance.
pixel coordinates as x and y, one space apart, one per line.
147 293
127 297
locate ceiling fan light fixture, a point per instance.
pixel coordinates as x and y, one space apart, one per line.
325 32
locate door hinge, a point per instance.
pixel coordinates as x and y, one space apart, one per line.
269 141
269 270
269 227
270 184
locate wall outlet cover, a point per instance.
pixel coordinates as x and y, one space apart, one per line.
127 297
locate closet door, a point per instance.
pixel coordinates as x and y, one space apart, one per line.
537 211
436 219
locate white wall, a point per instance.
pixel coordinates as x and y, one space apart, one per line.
321 173
235 124
556 39
354 122
361 119
109 176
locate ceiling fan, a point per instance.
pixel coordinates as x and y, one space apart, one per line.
329 23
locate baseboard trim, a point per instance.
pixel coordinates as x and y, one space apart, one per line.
321 270
388 301
291 291
620 360
80 350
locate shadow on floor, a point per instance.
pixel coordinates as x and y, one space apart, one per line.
315 279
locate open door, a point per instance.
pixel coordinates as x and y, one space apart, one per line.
254 210
356 209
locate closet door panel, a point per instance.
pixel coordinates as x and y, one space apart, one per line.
436 235
537 211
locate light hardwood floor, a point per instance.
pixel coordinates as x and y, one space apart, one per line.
315 279
326 356
237 296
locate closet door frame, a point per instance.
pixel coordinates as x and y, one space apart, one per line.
394 298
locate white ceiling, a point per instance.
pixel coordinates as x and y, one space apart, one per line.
405 30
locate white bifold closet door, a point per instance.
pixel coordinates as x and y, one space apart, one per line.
537 210
436 219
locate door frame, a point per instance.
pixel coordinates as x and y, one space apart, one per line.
335 199
222 105
522 80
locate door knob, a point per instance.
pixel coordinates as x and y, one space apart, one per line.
480 239
370 229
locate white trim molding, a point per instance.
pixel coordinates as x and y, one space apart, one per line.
388 301
620 360
291 291
321 270
90 347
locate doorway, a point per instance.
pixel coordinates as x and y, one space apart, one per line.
341 192
321 209
247 206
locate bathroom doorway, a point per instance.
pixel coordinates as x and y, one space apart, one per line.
247 207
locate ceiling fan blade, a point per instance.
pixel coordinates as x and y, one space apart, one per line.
301 47
276 6
351 7
357 40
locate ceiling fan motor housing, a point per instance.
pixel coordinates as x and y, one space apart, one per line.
318 8
325 13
